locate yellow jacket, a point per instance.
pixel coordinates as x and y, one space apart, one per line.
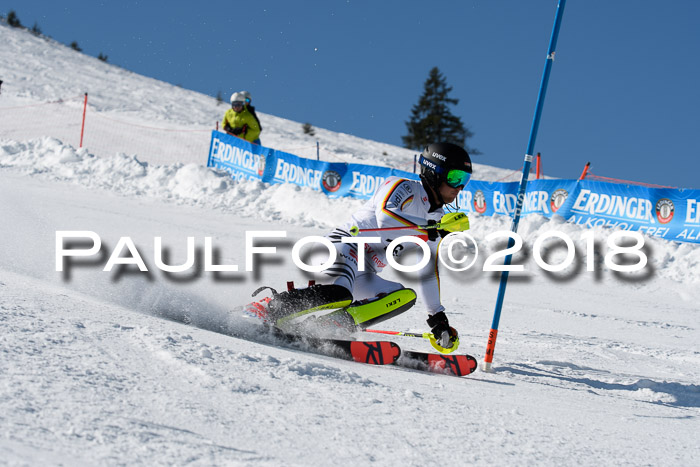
244 121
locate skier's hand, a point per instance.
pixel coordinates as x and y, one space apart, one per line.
237 131
433 234
445 335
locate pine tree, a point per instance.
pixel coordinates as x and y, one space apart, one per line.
13 20
431 120
101 57
308 129
74 45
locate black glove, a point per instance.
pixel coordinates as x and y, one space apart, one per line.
440 326
434 233
236 131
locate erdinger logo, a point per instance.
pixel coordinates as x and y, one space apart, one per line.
261 166
664 210
331 180
557 199
479 202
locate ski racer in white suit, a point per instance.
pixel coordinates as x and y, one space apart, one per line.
445 169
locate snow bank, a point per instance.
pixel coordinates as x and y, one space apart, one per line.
190 184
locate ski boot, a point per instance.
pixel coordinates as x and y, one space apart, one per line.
364 313
288 306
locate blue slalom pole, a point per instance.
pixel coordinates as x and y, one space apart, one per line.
491 345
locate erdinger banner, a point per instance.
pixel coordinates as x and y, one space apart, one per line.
660 212
543 197
243 160
667 213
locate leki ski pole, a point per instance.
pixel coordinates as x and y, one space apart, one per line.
426 335
452 222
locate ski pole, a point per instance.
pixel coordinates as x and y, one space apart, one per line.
455 222
425 335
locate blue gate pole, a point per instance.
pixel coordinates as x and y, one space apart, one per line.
491 345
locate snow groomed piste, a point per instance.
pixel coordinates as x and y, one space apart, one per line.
124 367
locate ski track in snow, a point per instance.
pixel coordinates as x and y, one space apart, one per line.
127 367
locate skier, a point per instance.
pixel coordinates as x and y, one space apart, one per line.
251 109
445 169
238 121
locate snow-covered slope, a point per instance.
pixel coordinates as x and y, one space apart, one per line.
128 367
36 69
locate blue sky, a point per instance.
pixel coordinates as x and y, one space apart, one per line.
623 93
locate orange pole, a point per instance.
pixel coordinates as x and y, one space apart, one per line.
537 172
82 127
490 346
585 171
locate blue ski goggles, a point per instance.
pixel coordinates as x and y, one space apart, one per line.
457 178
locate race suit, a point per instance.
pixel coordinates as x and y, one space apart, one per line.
397 202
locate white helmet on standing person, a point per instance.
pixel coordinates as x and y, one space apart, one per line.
246 95
237 97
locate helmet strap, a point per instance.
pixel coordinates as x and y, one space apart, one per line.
434 196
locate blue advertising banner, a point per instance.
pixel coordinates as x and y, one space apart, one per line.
243 160
671 214
289 168
365 179
668 213
543 197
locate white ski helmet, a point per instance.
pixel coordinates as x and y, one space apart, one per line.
246 95
237 97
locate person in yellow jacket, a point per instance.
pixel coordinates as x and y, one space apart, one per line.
239 121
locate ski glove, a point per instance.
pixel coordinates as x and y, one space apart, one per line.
237 131
433 234
440 326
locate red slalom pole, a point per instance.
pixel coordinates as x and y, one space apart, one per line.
585 171
82 127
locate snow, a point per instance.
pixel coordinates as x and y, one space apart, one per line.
128 367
